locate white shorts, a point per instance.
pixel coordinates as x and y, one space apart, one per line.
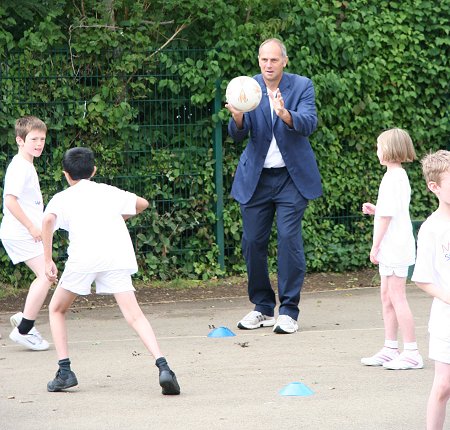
22 250
439 349
109 282
400 272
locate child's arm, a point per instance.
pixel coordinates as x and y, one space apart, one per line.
435 291
48 225
13 206
379 230
141 205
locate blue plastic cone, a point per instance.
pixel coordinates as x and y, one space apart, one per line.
221 332
296 389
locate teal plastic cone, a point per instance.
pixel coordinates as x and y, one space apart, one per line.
221 332
296 389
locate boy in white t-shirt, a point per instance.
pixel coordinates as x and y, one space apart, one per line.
100 250
432 274
20 230
393 249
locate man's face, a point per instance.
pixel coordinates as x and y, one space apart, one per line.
271 63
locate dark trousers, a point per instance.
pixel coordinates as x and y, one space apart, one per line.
275 194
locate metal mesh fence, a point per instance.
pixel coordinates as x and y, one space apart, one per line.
150 137
162 152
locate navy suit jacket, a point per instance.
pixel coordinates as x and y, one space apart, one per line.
299 98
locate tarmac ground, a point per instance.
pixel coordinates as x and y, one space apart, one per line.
227 382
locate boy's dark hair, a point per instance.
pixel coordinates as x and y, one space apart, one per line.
79 163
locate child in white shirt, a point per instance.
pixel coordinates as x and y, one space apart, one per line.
432 274
20 230
100 250
393 249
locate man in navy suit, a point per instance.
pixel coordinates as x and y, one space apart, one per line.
277 174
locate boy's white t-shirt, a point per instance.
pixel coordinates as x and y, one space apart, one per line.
21 181
433 266
398 248
98 236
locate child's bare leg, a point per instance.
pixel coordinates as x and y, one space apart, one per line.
38 289
389 316
390 348
60 302
24 332
439 395
397 294
136 319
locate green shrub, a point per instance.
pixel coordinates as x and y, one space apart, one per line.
125 80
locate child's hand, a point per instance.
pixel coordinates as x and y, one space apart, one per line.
374 254
368 208
51 271
36 233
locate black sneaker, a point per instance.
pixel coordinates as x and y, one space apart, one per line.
59 383
168 382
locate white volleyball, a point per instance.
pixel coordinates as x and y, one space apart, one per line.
244 93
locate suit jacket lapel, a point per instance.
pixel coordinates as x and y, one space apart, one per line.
264 104
267 112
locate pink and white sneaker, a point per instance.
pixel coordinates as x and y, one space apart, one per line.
384 355
405 361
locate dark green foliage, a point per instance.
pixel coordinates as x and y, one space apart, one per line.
94 72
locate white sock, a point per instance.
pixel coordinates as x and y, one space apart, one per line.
410 346
392 344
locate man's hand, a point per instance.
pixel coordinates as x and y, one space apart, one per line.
237 115
278 107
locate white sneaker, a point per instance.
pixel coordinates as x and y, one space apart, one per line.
285 325
33 340
15 319
255 319
384 355
405 361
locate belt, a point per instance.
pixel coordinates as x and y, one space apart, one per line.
274 170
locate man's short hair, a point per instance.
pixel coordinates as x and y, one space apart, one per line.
278 42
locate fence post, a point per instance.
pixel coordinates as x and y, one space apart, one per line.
218 177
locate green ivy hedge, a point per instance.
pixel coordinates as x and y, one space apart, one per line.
374 64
